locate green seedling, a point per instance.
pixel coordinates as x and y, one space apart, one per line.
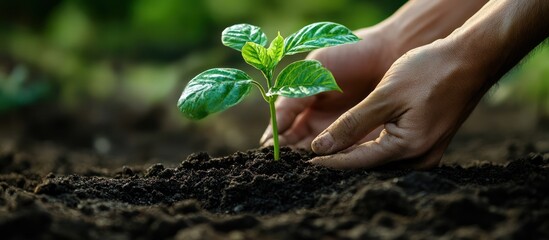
217 89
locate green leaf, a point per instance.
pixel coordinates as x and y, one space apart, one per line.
214 90
256 55
303 78
318 35
276 50
237 35
262 58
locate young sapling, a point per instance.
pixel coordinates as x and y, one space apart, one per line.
217 89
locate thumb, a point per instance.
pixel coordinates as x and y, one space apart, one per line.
353 125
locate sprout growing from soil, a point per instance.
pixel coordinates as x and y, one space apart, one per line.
217 89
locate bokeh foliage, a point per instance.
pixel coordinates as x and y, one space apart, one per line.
145 51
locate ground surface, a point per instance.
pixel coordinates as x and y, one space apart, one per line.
49 190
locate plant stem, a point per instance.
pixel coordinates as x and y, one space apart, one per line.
275 128
269 76
261 90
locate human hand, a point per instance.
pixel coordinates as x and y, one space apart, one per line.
421 101
427 93
358 68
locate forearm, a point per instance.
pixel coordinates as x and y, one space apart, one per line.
421 22
500 35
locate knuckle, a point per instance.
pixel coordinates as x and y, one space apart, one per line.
349 121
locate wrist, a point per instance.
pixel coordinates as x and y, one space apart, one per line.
476 54
472 66
500 35
421 22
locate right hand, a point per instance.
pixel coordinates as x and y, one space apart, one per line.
357 68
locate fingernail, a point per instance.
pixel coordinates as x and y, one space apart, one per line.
323 143
320 161
313 161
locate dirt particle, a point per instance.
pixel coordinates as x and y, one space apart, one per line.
369 201
154 170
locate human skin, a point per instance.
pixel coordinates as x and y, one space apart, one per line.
426 94
359 67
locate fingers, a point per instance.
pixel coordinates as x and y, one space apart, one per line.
385 149
287 110
303 139
353 125
399 152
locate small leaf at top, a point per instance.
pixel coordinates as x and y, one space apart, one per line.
214 90
276 50
237 35
256 55
303 78
318 35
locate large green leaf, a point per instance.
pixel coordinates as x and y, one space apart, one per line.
256 55
303 78
237 35
318 35
212 91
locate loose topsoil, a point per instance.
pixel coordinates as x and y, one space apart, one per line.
247 195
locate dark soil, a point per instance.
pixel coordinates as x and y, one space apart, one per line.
51 191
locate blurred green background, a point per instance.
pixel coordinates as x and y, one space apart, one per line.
143 50
140 54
